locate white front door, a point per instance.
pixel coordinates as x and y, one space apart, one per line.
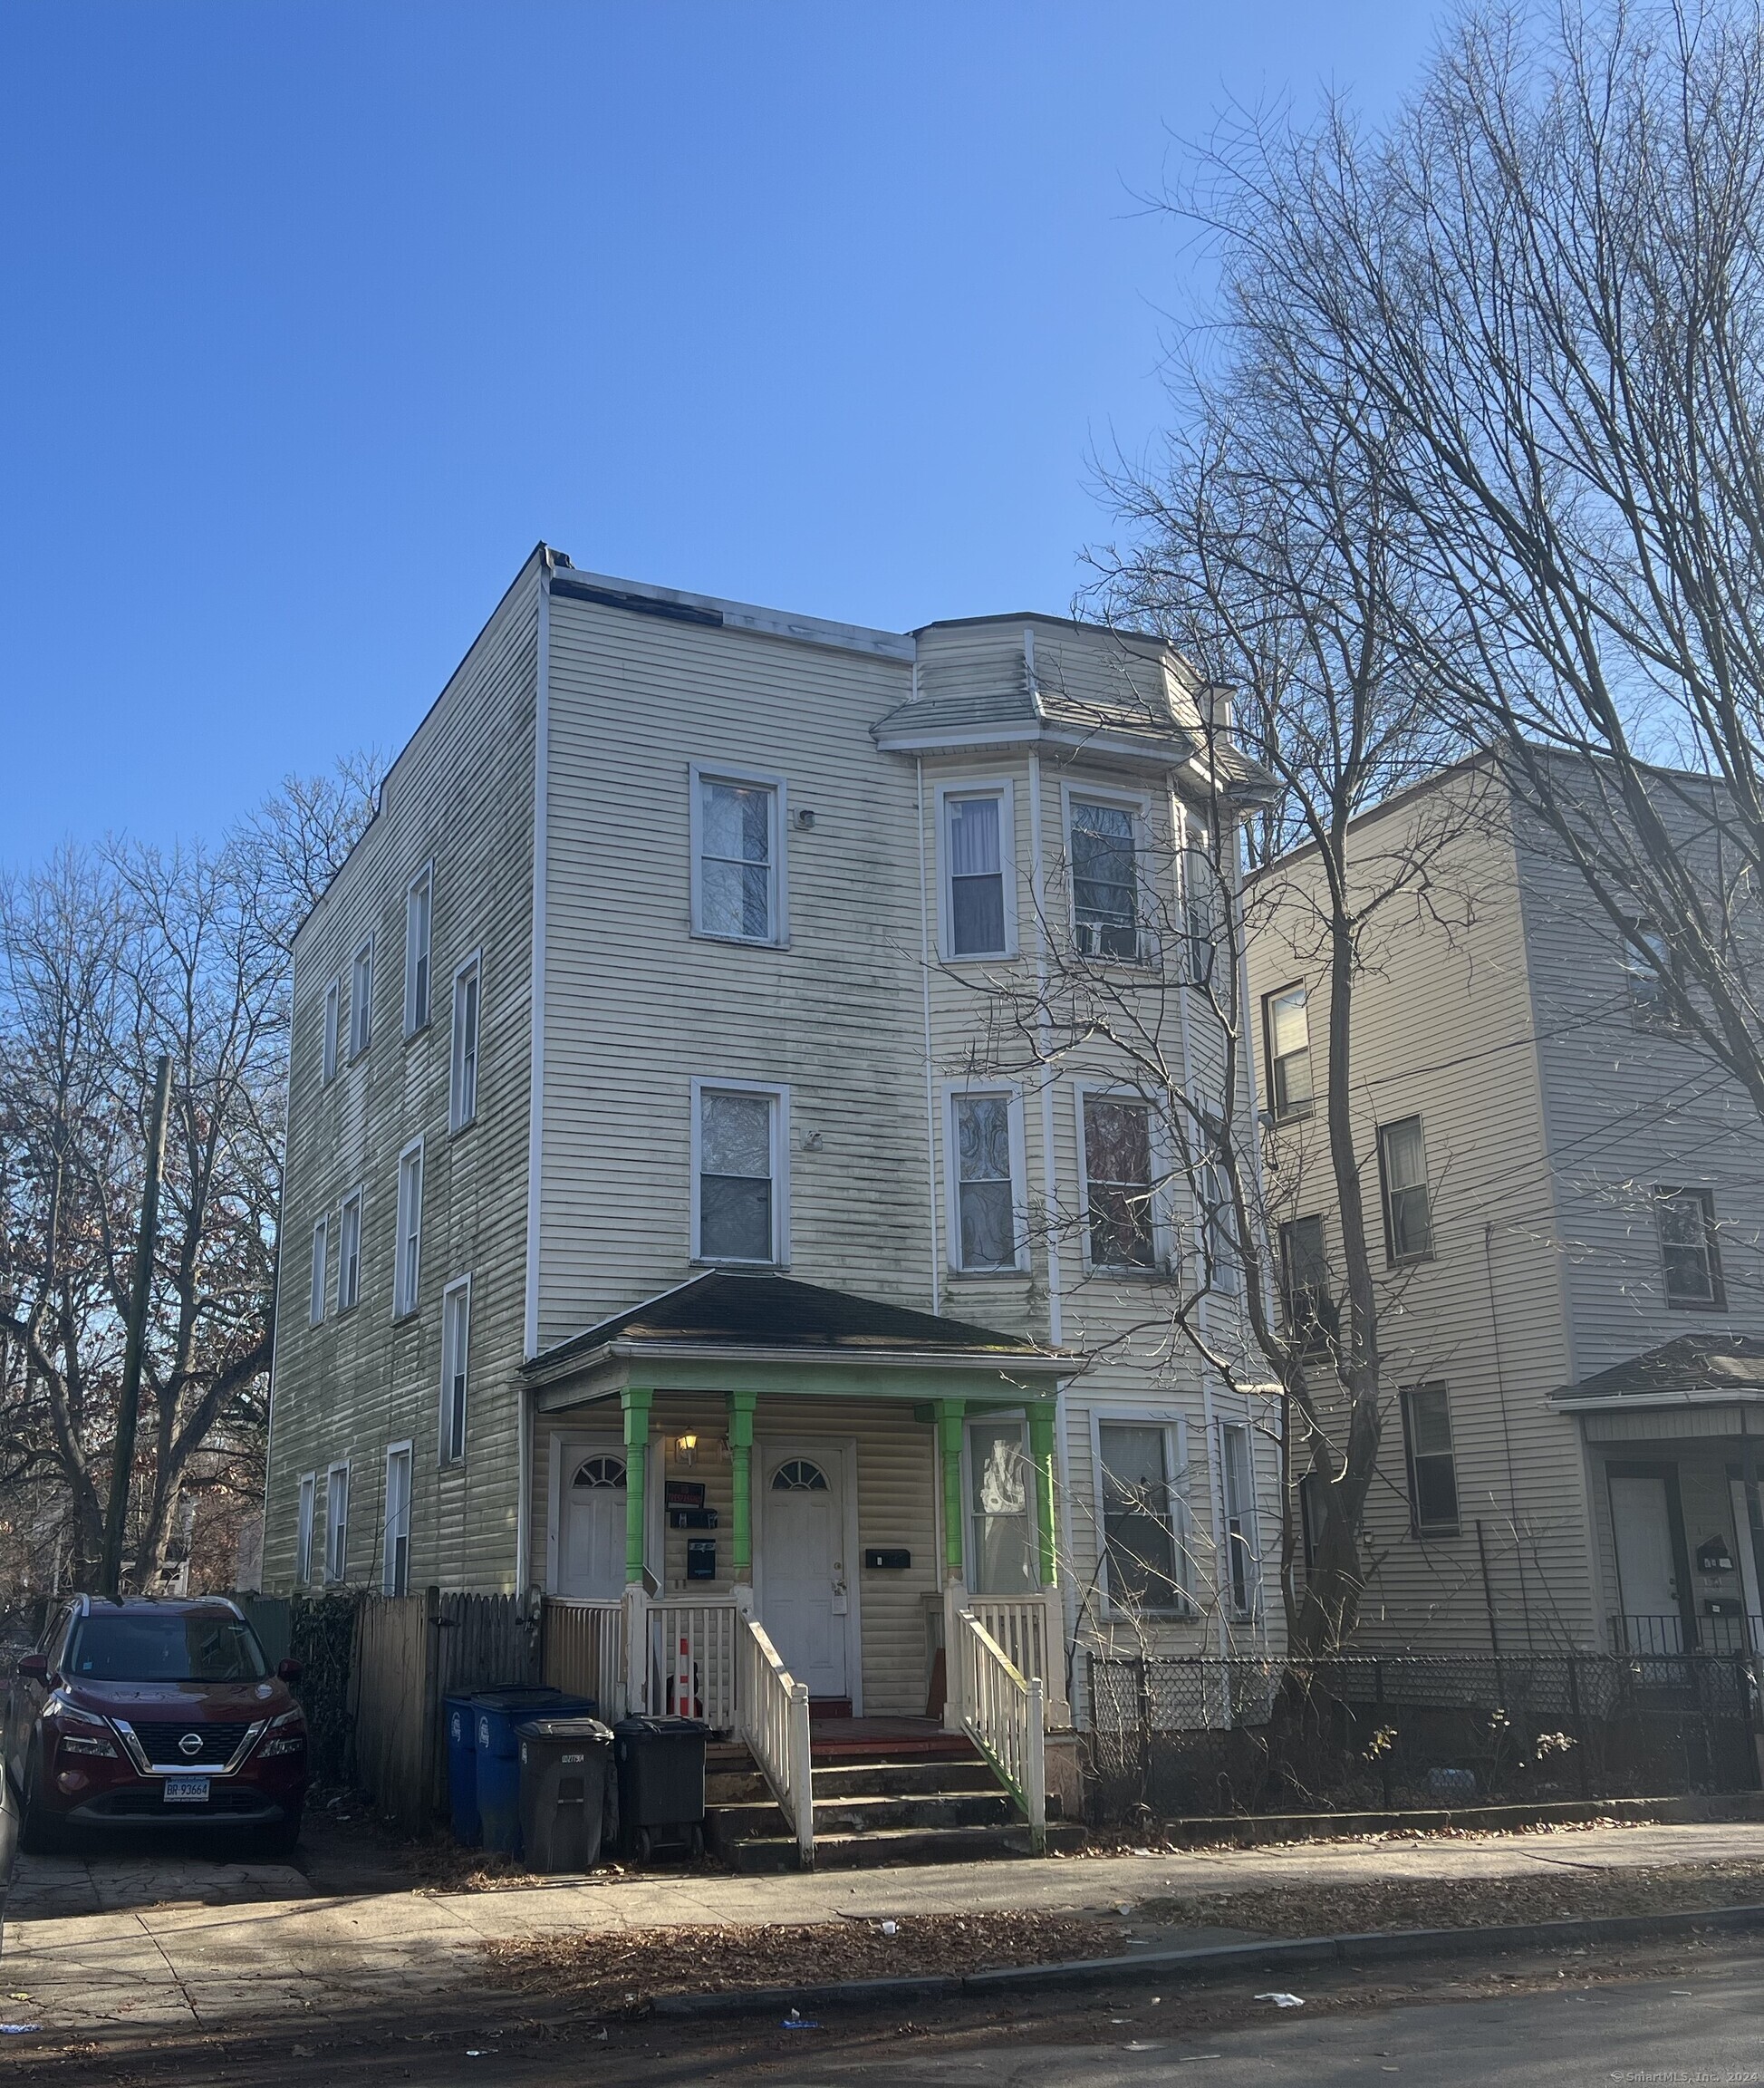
1647 1571
803 1598
591 1536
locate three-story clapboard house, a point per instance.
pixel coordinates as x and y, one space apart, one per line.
655 1235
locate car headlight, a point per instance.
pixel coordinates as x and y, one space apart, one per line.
81 1732
284 1736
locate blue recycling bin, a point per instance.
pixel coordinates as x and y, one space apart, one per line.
496 1717
462 1770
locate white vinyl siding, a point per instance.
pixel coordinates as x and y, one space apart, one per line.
468 1012
407 1268
984 1128
336 1523
309 1484
361 1000
349 1252
395 1571
737 825
419 917
740 1203
321 1250
456 1349
977 901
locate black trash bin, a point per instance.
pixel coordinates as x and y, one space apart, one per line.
660 1784
567 1789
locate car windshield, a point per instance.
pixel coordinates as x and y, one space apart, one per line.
187 1646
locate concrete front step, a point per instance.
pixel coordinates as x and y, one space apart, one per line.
899 1779
875 1848
870 1815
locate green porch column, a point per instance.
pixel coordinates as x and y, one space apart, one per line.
635 1400
951 1414
1041 1455
741 1472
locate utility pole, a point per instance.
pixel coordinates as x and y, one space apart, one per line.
123 1465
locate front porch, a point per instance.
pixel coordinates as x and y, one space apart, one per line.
766 1501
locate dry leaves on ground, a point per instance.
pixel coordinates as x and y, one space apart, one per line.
625 1969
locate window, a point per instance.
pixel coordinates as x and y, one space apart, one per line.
1686 1218
361 1000
333 997
462 1085
1310 1516
1238 1471
321 1247
1222 1265
1202 915
1402 1169
336 1523
980 911
395 1571
598 1474
1432 1472
739 1144
1653 969
799 1476
419 910
1144 1518
1104 880
1117 1162
455 1344
349 1252
999 1508
1312 1319
984 1141
1288 1032
407 1268
309 1484
738 867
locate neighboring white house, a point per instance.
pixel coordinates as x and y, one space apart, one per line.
653 1233
1569 1200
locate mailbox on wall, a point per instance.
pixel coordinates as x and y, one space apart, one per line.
882 1559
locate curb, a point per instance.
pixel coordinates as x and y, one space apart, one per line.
1249 1831
1273 1955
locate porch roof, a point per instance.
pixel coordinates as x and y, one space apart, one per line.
718 1327
1695 1370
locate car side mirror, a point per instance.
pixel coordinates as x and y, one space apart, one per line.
289 1671
34 1668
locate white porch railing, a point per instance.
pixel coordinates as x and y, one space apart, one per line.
692 1665
772 1709
583 1652
1005 1715
1030 1632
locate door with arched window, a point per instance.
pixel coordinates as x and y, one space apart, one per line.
591 1538
803 1587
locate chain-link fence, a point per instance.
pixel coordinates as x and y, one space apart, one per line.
1365 1732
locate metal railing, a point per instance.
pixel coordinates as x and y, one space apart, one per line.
1664 1637
692 1660
771 1710
1004 1714
583 1652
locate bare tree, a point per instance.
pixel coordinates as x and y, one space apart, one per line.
109 957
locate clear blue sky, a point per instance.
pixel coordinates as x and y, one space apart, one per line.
313 318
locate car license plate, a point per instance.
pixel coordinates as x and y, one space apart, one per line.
187 1790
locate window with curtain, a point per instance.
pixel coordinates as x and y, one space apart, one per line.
986 1202
1104 880
1003 1538
1408 1215
736 1165
1286 1024
974 853
1118 1183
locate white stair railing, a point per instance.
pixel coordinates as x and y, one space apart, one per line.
1005 1715
772 1715
1030 1632
691 1648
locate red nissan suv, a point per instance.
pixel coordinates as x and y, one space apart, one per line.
143 1713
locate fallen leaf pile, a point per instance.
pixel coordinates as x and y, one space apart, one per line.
624 1970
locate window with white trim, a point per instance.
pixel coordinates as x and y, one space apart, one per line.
360 1000
739 1200
1103 851
336 1523
978 903
1688 1253
1408 1206
1242 1547
1287 1027
309 1486
985 1144
407 1264
462 1084
1118 1178
395 1568
738 856
1145 1539
333 1002
1002 1531
321 1249
418 915
1221 1261
1432 1463
456 1348
349 1252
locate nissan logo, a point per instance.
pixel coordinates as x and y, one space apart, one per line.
190 1745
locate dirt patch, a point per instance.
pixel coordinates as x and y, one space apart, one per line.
622 1972
1556 1890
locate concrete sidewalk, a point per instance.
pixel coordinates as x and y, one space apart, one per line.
185 1961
